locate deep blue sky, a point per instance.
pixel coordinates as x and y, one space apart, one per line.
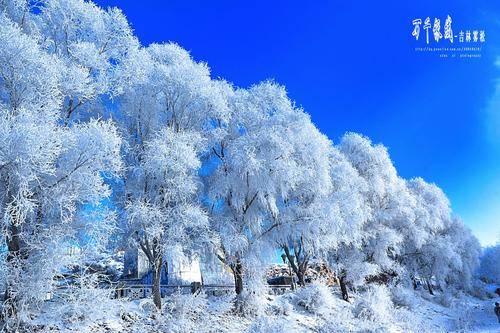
353 67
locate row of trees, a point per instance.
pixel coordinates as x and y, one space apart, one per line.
91 120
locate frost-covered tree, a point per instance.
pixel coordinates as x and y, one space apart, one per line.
490 264
303 215
48 170
168 111
93 44
258 164
326 211
434 242
432 213
467 246
389 202
352 212
451 257
166 218
28 119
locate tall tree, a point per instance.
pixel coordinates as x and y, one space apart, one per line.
325 211
389 202
264 155
489 269
432 212
48 169
450 258
168 111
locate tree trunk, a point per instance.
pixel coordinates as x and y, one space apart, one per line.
14 248
429 287
238 277
300 277
343 289
13 243
414 282
299 267
156 282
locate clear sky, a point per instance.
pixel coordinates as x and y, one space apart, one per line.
354 67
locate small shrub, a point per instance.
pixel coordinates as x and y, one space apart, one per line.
251 303
374 305
82 303
183 313
147 306
446 298
282 306
315 298
402 297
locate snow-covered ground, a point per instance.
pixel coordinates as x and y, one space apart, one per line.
313 309
466 314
